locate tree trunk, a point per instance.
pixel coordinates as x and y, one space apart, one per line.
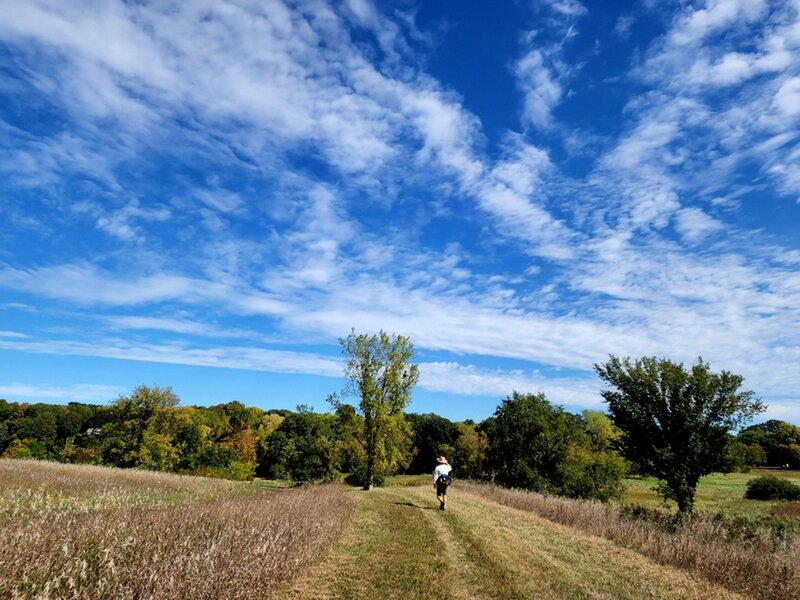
370 470
371 426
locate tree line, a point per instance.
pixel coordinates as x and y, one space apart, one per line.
663 419
529 442
149 429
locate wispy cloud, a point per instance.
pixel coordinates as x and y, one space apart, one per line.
81 392
470 380
541 86
271 172
182 353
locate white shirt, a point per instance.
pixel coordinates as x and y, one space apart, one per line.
442 469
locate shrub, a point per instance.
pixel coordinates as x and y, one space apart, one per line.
241 471
359 476
770 487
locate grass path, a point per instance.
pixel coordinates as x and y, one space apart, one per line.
400 546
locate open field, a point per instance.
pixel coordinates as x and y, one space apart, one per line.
719 492
35 486
762 563
84 532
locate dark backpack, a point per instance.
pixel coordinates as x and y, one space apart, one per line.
444 480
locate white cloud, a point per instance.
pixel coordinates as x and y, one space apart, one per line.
183 326
220 200
560 270
81 392
12 334
781 410
623 26
787 98
694 225
695 25
572 8
455 378
174 353
541 88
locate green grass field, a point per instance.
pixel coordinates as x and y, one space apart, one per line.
719 492
400 546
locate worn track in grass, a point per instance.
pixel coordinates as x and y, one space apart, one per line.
400 546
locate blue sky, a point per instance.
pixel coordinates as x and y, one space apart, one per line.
208 194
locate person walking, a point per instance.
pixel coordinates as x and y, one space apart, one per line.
441 480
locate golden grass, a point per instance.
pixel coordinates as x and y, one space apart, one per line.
219 541
35 485
762 565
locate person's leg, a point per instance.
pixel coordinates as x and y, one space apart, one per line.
441 494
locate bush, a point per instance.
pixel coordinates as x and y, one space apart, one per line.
359 476
770 487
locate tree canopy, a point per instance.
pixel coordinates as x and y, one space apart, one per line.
675 422
535 445
380 374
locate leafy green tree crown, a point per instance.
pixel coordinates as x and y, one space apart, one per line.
380 373
675 422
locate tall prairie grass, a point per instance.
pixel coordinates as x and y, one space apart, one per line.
216 541
35 485
762 564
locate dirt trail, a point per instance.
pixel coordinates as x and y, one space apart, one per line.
400 546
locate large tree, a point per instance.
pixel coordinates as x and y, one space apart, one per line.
433 436
776 440
675 422
130 438
536 445
379 372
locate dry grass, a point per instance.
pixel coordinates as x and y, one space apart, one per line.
223 542
35 485
787 509
763 565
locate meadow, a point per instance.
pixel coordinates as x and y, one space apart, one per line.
743 556
719 492
83 532
96 532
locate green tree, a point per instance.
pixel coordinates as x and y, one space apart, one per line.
736 457
469 452
755 455
528 440
675 422
773 436
5 437
535 445
301 448
380 373
433 436
39 422
127 437
73 419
